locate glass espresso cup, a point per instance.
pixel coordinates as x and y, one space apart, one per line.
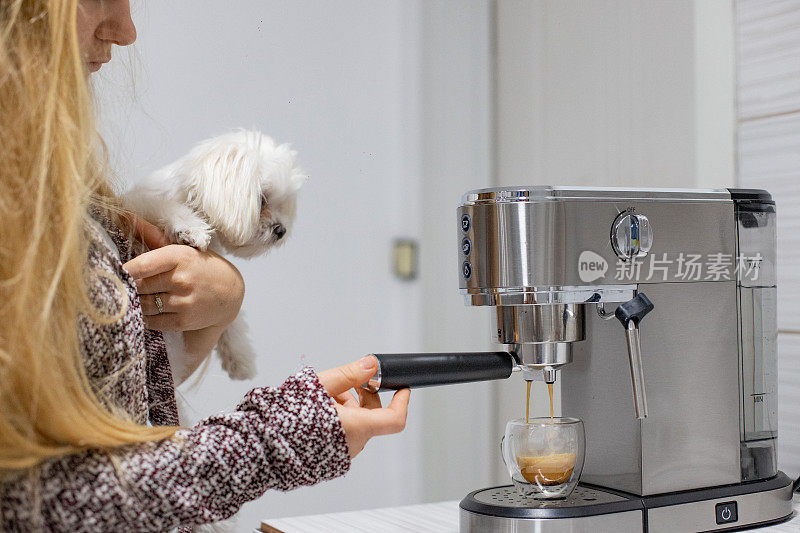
544 456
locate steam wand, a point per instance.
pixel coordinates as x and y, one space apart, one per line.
630 314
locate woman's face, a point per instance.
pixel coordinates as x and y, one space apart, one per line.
102 23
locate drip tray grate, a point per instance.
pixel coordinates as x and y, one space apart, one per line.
509 497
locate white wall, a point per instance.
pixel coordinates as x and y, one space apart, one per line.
460 441
715 93
615 92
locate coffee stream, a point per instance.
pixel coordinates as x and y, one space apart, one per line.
528 400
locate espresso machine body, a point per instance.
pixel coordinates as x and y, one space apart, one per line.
680 405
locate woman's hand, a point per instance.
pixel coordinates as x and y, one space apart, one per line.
363 418
197 289
200 294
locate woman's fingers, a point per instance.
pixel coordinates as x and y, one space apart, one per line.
367 399
155 261
338 380
392 419
347 399
164 322
341 398
163 282
361 424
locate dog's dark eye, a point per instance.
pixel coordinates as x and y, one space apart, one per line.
279 230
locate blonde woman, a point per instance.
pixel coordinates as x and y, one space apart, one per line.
88 436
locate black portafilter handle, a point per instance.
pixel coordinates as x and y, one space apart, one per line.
414 370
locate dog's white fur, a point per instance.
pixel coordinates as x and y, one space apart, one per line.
236 193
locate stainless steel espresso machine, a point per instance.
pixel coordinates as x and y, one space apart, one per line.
656 310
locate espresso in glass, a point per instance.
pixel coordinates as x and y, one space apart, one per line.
544 456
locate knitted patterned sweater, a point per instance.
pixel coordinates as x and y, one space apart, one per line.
277 438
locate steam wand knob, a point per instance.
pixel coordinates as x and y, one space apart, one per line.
630 314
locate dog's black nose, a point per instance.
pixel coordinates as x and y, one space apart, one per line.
279 230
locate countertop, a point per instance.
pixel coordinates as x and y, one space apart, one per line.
439 517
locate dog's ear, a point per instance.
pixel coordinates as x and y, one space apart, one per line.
297 180
285 159
224 183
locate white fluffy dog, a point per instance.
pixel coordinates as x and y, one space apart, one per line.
234 193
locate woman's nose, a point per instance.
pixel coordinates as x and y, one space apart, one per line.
117 26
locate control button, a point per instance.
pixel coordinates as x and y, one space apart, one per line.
466 269
727 513
466 223
631 236
466 246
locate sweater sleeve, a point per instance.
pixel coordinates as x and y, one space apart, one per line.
278 438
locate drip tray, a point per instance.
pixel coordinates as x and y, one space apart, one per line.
590 509
506 502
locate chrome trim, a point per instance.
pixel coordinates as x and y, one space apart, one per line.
628 521
547 192
754 508
374 383
539 323
545 354
545 374
494 296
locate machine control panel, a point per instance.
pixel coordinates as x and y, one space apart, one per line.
631 235
727 513
466 246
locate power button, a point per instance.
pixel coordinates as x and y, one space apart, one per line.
726 513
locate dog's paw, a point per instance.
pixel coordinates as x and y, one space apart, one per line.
238 367
199 238
234 350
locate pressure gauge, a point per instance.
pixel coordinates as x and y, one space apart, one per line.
631 236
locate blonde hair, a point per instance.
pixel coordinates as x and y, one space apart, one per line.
49 176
